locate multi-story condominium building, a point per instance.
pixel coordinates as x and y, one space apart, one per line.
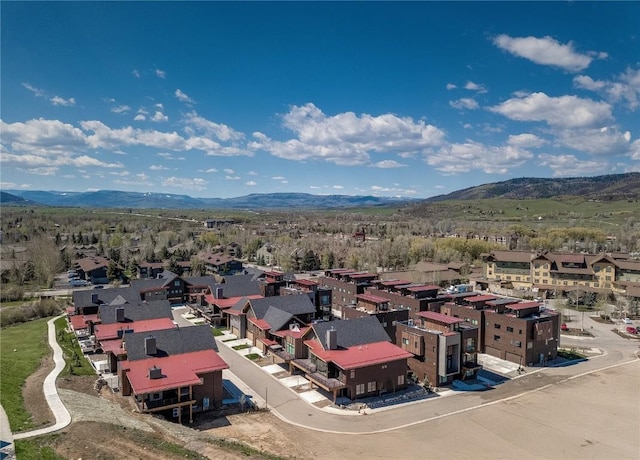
558 273
346 284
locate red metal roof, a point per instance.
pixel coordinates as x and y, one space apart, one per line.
113 346
438 317
363 275
273 274
423 288
80 321
292 333
480 298
177 371
306 282
268 342
110 331
371 298
394 282
262 324
230 302
360 356
522 305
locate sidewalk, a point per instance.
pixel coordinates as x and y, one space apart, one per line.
7 449
63 418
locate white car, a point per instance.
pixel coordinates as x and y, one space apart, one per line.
627 321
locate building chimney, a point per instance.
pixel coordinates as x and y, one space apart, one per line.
218 294
94 297
155 372
332 339
150 347
120 314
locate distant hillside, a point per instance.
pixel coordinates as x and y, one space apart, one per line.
609 187
118 199
13 200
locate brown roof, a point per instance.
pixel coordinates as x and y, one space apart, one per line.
512 256
88 264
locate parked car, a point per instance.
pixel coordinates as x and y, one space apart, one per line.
627 321
77 282
564 327
632 330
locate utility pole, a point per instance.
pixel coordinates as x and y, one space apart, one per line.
266 398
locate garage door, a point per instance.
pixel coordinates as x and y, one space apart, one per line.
250 336
493 352
235 331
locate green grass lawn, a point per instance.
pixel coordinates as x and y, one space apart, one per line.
77 364
217 332
36 448
241 347
22 347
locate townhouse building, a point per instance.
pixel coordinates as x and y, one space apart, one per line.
443 348
345 285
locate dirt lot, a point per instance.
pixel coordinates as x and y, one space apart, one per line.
557 422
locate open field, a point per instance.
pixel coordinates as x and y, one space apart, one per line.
22 348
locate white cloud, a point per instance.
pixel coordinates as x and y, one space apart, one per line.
57 100
545 51
183 97
47 137
227 177
161 73
338 187
563 111
251 183
347 138
229 171
525 140
471 86
386 164
625 87
185 183
195 124
377 190
586 82
570 166
252 173
36 91
597 141
464 103
464 157
211 170
121 109
159 117
135 73
42 171
158 168
451 86
139 117
278 178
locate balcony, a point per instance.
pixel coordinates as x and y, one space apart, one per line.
163 404
327 383
305 365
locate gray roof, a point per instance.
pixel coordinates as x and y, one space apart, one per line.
105 296
208 280
171 342
276 318
238 285
295 304
352 332
138 311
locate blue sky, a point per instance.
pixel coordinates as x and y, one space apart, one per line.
390 99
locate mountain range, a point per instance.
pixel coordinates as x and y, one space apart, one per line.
608 187
119 199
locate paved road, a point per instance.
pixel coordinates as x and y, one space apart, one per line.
285 403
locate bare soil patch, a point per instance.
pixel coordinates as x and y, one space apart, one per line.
34 401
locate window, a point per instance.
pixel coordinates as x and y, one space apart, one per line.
371 387
176 283
529 345
353 373
401 379
517 344
509 329
359 388
384 366
520 331
474 322
405 341
496 325
496 338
